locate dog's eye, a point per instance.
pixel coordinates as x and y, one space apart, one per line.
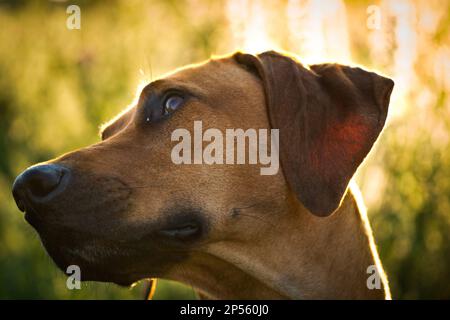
172 103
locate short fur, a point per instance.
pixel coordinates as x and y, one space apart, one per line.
299 234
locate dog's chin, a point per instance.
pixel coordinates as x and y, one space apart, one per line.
118 257
120 280
98 259
107 270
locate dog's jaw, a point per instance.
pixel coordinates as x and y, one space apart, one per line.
289 266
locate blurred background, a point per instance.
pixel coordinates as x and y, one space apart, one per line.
58 85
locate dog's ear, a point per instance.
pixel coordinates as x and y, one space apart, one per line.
329 116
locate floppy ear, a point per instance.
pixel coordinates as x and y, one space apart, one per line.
329 116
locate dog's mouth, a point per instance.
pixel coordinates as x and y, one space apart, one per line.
186 225
88 226
98 259
95 263
122 257
119 262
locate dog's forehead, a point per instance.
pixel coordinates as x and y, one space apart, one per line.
212 78
212 73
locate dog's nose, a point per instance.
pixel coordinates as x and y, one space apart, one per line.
36 183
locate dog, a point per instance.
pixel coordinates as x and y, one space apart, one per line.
122 211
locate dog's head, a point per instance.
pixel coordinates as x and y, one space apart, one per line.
123 209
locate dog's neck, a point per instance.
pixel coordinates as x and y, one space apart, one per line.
305 257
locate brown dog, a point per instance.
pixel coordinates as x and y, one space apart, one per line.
123 211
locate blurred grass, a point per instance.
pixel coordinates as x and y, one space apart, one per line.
57 86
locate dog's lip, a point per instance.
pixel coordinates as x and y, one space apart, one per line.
186 230
28 218
21 205
182 225
30 215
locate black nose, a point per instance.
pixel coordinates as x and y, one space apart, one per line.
37 183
